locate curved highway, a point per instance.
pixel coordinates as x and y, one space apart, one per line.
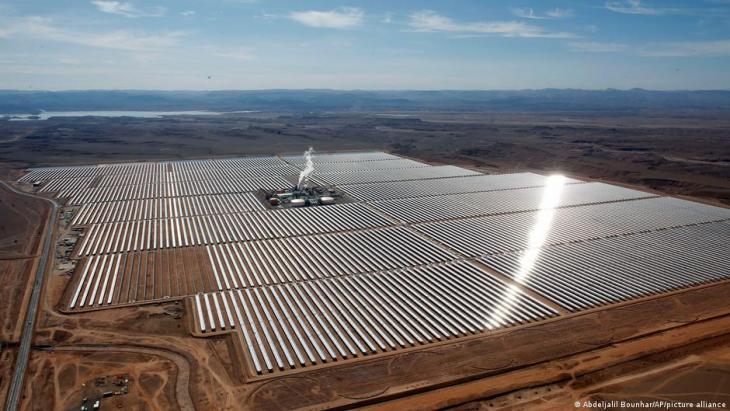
21 363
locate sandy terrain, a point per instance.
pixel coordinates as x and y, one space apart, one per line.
61 378
700 373
21 227
691 373
7 359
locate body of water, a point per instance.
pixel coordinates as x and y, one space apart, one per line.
45 115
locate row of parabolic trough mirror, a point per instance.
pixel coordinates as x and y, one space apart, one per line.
254 259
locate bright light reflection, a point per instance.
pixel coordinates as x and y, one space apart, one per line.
536 239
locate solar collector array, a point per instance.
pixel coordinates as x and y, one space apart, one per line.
294 259
153 170
250 264
352 157
57 173
92 282
301 324
417 173
424 188
212 229
196 175
53 173
155 208
130 168
365 166
134 179
511 232
67 187
593 273
499 202
141 277
178 189
233 173
228 163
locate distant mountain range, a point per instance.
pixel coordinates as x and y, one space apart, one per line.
13 101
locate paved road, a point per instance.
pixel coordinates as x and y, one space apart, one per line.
21 363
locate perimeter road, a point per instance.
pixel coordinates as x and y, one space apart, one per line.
16 386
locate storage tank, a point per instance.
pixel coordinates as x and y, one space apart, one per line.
297 202
326 200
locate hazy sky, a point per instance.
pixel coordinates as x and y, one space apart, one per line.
420 44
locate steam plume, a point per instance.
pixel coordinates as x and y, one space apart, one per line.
308 168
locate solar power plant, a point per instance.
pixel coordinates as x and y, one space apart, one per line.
618 268
350 158
366 166
153 208
446 207
176 189
301 324
212 229
514 231
409 255
416 173
425 188
247 264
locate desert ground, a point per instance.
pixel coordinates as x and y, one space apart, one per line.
22 221
670 346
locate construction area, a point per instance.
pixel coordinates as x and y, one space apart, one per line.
308 263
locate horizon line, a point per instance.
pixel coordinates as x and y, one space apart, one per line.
354 90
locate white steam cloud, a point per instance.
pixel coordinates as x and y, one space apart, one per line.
308 168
